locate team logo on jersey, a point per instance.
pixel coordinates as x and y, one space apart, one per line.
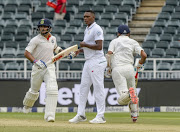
42 21
52 41
98 33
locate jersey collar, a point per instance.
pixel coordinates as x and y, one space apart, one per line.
91 25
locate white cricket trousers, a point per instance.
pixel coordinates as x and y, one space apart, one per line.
93 73
123 77
49 77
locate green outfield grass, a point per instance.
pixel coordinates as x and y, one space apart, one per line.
116 122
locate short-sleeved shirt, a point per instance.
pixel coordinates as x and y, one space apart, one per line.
123 49
41 48
91 34
59 5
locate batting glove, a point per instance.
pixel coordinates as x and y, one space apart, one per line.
41 64
107 72
140 67
71 55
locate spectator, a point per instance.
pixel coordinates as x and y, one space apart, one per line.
60 10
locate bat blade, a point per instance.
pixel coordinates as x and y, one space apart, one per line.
63 54
136 78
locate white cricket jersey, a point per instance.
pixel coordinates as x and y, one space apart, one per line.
123 49
91 34
41 48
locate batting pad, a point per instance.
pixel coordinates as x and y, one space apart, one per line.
124 98
30 99
133 109
51 104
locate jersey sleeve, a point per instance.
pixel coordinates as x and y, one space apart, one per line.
99 34
111 46
137 48
31 45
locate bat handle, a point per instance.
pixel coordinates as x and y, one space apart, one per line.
49 62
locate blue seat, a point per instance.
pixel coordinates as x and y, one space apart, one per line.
158 51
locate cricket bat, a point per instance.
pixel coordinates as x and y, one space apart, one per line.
136 77
63 54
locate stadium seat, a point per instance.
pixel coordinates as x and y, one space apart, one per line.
172 2
1 45
20 15
12 2
148 51
10 8
177 9
160 23
111 30
126 9
8 53
24 9
37 16
2 66
7 37
25 2
106 45
71 30
11 23
170 30
166 37
61 23
63 66
175 16
109 37
148 44
173 23
102 2
172 52
176 37
9 30
158 51
66 37
175 67
75 23
79 15
108 16
83 8
2 3
20 53
78 37
148 66
21 37
168 9
116 22
57 30
175 44
7 15
103 22
164 66
76 66
156 30
164 16
24 30
98 8
11 44
12 66
152 37
121 16
131 3
81 31
111 9
88 2
22 44
115 2
162 44
73 2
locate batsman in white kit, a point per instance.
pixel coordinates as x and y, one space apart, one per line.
120 62
93 71
40 50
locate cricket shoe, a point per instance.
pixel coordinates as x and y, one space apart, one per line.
97 120
133 96
50 119
134 119
26 109
77 119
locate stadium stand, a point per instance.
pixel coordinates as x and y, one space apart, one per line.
154 25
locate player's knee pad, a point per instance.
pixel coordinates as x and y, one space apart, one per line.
124 98
30 98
